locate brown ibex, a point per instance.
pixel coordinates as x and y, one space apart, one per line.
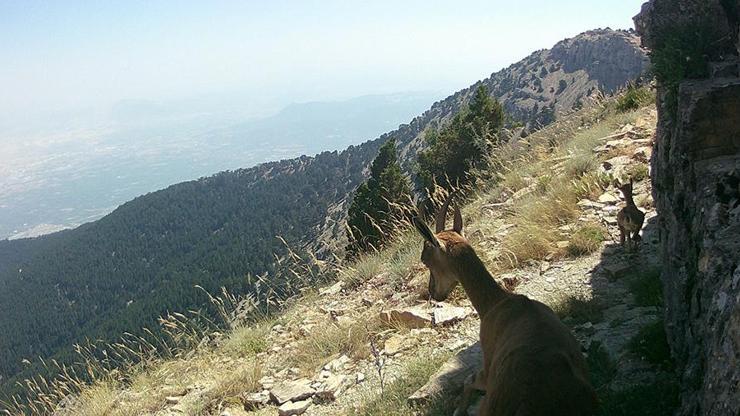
629 218
532 364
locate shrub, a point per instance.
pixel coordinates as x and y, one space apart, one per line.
634 97
463 144
579 310
587 239
647 287
638 172
651 345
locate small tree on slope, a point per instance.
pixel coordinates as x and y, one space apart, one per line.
463 144
379 203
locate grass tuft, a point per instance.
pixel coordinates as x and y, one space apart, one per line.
657 399
651 345
394 399
600 365
579 311
587 239
326 341
647 287
634 98
247 341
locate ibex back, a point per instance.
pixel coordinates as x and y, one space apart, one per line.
532 364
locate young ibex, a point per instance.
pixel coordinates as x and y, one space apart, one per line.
629 218
532 364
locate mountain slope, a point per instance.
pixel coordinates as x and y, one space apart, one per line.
322 345
122 271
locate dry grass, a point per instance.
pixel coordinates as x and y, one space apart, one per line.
559 167
398 259
330 340
587 239
394 399
232 383
247 340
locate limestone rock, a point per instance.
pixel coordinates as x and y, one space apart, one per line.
608 198
171 400
332 290
331 388
291 391
411 317
445 314
452 375
294 408
395 344
338 363
642 154
617 270
254 401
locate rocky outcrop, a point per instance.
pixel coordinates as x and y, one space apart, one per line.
535 91
696 187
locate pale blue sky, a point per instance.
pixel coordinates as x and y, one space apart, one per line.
71 54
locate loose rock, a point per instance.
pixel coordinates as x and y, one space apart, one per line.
294 408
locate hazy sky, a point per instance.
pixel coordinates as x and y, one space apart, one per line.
69 54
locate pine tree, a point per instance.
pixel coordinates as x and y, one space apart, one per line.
378 203
463 144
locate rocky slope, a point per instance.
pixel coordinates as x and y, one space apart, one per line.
373 344
534 92
696 176
142 260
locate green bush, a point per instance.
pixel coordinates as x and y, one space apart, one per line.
634 97
463 144
587 239
683 53
651 345
647 288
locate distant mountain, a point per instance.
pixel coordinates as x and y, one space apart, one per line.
52 182
141 260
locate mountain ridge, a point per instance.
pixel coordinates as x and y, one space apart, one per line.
80 282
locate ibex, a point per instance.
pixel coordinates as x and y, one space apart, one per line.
629 218
532 364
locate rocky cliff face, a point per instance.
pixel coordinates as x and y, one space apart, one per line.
696 186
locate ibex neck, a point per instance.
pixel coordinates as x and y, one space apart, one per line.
628 199
479 285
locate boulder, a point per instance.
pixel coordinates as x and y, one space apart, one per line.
294 408
292 391
451 376
411 317
395 344
446 314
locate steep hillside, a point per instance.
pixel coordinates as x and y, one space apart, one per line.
534 92
373 343
121 272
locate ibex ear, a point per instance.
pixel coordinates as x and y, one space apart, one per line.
425 231
457 224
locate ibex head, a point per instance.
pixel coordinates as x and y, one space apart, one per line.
438 254
625 188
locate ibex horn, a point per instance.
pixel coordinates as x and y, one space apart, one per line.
441 216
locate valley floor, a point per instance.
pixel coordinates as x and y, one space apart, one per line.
546 226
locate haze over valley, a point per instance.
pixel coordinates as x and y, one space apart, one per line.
51 181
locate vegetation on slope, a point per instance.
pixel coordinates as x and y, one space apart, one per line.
379 203
231 364
463 144
118 274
